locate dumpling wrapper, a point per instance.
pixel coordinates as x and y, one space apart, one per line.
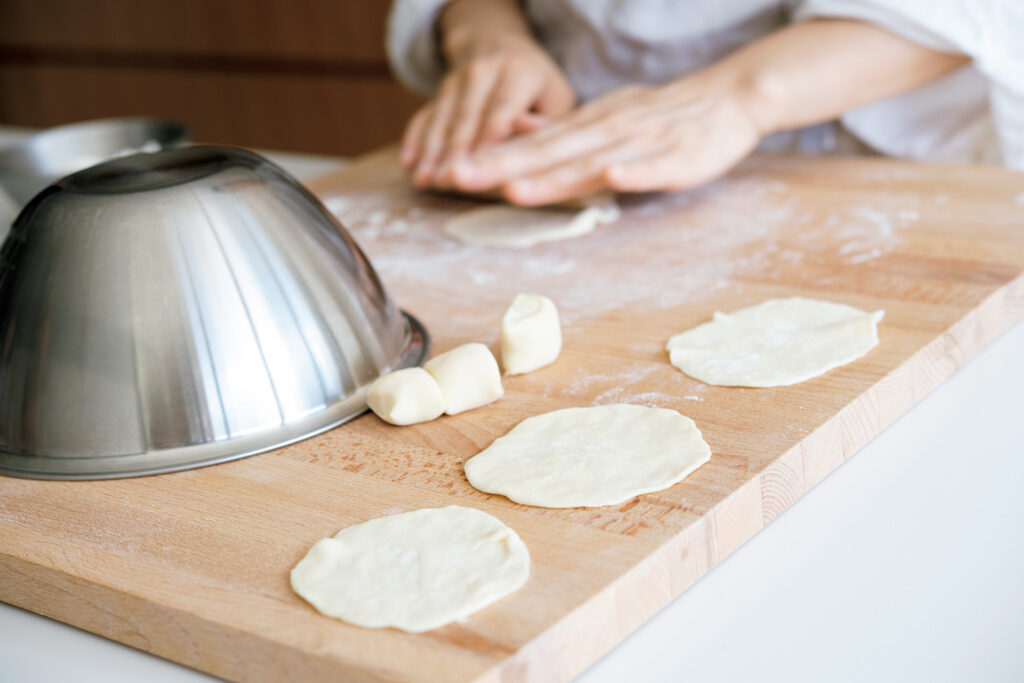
590 457
414 571
775 343
516 227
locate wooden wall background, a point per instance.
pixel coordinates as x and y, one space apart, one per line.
301 75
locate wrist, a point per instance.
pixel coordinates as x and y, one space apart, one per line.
468 28
757 92
464 43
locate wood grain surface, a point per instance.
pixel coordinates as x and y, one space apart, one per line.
194 566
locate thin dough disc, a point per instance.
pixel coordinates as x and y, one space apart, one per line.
414 571
775 343
515 227
589 457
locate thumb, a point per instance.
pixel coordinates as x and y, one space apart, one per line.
529 122
556 98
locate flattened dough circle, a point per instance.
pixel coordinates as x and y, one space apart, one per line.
413 571
516 227
589 457
775 343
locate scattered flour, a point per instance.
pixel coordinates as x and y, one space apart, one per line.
654 399
694 245
863 256
621 379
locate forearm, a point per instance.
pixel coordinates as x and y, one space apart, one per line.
467 25
815 71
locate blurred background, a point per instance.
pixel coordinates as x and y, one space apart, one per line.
302 75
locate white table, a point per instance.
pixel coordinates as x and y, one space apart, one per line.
906 564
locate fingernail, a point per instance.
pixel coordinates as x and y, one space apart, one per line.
522 189
421 176
408 156
466 172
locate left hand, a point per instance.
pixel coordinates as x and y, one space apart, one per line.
637 139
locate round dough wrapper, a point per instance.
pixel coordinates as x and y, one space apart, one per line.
405 397
775 343
516 227
531 335
589 457
414 571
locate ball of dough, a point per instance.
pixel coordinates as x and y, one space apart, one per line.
531 336
405 397
414 571
468 376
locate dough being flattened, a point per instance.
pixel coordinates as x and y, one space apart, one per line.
775 343
589 457
516 227
413 571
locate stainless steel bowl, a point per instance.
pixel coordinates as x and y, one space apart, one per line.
49 155
170 310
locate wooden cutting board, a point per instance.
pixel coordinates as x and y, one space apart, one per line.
194 566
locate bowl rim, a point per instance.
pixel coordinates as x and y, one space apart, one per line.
26 466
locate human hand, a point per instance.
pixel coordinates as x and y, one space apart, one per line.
496 87
636 139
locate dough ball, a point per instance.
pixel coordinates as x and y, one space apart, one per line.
468 376
531 336
589 457
516 227
405 397
414 571
775 343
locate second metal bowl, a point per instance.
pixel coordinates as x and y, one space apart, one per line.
51 154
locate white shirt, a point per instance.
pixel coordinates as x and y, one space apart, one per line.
975 114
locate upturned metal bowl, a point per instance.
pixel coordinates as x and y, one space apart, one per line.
169 310
51 154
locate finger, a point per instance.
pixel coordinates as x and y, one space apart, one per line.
412 139
468 113
663 170
513 97
528 123
530 155
436 132
570 180
529 192
580 132
555 100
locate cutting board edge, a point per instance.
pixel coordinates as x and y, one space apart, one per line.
632 599
172 634
739 516
556 653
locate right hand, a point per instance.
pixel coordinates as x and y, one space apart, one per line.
496 87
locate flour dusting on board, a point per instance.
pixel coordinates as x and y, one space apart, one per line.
669 250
